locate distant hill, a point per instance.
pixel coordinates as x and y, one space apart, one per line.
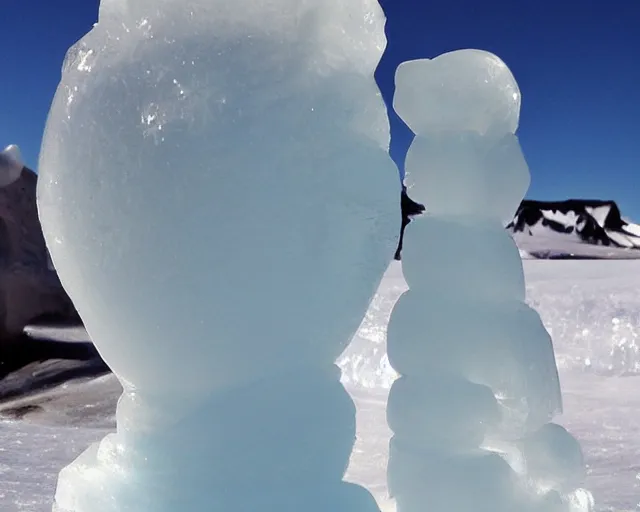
577 228
571 229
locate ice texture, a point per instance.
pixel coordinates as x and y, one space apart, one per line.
471 412
11 165
214 184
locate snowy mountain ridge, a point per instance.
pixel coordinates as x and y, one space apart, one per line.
574 228
570 229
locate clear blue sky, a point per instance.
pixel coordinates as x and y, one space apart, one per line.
577 63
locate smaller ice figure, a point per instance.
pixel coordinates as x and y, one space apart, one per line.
479 385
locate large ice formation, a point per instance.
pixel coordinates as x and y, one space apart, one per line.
479 385
215 184
11 165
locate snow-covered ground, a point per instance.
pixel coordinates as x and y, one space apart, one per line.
592 308
546 244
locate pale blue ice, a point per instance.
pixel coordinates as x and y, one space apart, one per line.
478 382
214 185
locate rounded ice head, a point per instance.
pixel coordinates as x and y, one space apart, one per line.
215 186
11 165
463 90
466 160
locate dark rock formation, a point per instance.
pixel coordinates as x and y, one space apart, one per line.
50 362
556 229
409 210
29 288
590 221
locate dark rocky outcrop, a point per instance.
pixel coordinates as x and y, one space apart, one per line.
31 352
544 224
409 210
29 287
593 222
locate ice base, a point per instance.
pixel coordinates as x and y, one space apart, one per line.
233 460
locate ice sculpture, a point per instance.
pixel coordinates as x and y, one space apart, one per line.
11 165
218 200
479 385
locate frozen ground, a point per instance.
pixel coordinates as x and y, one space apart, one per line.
549 244
592 309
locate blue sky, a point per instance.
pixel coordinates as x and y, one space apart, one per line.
577 63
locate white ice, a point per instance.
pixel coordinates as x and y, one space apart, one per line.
11 165
478 380
209 164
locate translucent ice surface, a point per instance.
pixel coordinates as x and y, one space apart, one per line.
215 184
459 173
479 385
468 90
11 165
